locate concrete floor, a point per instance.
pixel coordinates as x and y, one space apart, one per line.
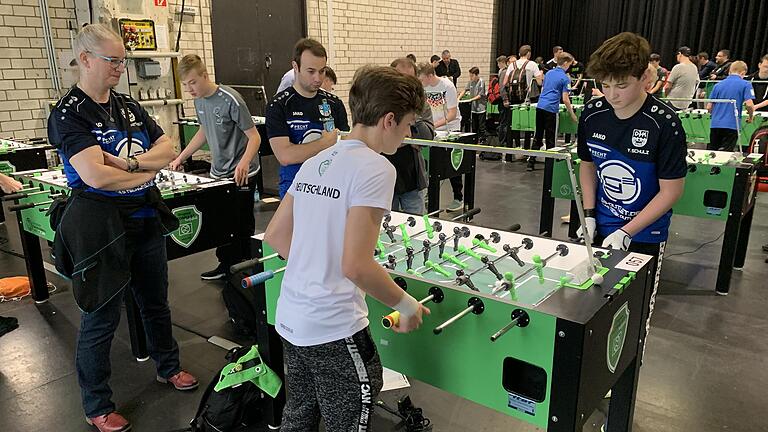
706 367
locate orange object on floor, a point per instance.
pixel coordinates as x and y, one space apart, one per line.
14 288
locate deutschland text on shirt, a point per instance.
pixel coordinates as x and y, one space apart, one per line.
319 190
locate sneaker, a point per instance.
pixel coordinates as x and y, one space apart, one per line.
112 422
8 324
565 219
455 205
220 272
183 381
765 248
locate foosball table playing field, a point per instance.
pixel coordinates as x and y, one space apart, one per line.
532 327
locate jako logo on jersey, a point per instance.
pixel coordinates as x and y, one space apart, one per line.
598 136
298 113
325 108
639 137
619 182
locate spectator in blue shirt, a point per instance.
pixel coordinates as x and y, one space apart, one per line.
556 88
725 122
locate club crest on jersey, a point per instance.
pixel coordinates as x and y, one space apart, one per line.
323 166
325 108
639 137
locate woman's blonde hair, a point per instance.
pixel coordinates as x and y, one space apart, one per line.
90 38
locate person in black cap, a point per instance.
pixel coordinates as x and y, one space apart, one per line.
683 79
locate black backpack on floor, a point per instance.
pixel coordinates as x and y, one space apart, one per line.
235 409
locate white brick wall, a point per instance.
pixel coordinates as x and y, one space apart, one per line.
378 31
25 84
195 39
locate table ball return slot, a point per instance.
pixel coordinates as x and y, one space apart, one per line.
531 327
205 208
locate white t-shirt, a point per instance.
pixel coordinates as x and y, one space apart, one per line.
531 70
317 303
441 98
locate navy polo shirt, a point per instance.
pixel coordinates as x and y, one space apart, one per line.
556 82
733 87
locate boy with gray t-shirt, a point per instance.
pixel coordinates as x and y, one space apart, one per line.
227 126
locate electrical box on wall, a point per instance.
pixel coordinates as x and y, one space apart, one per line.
138 35
148 69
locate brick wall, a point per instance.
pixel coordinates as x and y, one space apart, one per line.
195 38
26 83
378 31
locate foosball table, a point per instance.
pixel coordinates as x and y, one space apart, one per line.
719 186
531 327
206 209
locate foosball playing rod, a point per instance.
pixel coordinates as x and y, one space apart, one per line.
435 295
260 278
24 193
25 206
519 319
474 305
251 262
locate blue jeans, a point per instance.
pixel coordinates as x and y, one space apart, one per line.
409 202
149 283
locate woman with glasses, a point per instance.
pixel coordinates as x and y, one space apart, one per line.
110 237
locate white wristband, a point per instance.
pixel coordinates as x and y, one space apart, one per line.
407 306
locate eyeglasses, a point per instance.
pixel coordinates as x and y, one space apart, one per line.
116 62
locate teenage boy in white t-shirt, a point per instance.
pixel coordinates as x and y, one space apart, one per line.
327 226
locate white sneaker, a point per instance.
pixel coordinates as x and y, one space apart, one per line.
455 205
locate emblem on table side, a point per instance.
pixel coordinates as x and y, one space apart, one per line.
457 157
190 223
616 337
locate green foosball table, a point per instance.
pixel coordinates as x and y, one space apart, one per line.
524 118
531 327
696 124
719 186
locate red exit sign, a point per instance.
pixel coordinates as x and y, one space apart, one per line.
163 3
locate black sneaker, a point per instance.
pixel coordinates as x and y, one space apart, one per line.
8 324
219 272
765 248
530 167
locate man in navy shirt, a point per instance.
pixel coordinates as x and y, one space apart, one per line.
304 119
556 88
632 149
725 124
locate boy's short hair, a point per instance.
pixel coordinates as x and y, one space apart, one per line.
316 48
405 62
565 57
738 66
426 69
474 70
378 90
524 50
655 57
624 55
434 57
189 63
501 59
703 55
330 74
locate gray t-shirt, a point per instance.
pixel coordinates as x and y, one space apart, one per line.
224 117
475 88
683 78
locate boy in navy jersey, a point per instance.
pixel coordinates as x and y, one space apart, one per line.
632 149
